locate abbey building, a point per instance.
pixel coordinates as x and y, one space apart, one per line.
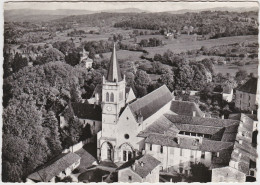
172 135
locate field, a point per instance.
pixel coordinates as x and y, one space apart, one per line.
186 43
232 69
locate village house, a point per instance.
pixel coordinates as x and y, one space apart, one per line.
245 98
143 168
85 59
87 114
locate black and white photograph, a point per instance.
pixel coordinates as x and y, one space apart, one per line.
129 91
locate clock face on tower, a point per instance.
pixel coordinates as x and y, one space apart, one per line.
109 108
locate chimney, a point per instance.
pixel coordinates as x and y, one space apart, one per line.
252 112
194 114
223 117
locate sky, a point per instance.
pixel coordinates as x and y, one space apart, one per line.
148 6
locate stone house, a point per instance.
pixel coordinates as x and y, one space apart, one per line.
245 98
143 168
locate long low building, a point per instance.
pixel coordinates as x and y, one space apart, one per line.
59 167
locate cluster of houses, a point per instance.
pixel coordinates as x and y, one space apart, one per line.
140 138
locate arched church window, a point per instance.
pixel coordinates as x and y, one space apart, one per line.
124 155
107 97
112 97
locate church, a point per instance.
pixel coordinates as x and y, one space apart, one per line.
124 116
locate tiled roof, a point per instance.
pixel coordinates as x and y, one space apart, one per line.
114 72
54 167
215 146
160 139
227 89
249 87
151 103
186 108
160 126
237 116
87 111
200 121
149 163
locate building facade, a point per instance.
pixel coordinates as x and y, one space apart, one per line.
246 95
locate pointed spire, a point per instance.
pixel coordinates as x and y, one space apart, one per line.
114 73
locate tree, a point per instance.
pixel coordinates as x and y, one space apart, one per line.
200 173
142 78
19 62
168 80
183 76
73 58
241 76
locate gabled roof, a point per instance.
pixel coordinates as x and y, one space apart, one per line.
151 103
250 86
186 108
54 167
114 72
149 163
87 111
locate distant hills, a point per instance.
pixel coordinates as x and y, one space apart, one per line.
32 15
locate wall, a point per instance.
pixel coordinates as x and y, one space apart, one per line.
131 96
153 176
94 125
227 174
172 157
228 97
123 176
242 101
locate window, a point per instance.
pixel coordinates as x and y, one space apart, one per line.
252 173
127 118
107 97
181 170
249 104
191 154
191 163
130 178
129 155
126 136
112 97
161 149
151 147
181 164
181 132
186 172
124 155
193 134
202 155
248 97
180 152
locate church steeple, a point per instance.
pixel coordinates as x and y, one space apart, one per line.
114 73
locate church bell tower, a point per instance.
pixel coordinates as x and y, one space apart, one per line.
113 100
